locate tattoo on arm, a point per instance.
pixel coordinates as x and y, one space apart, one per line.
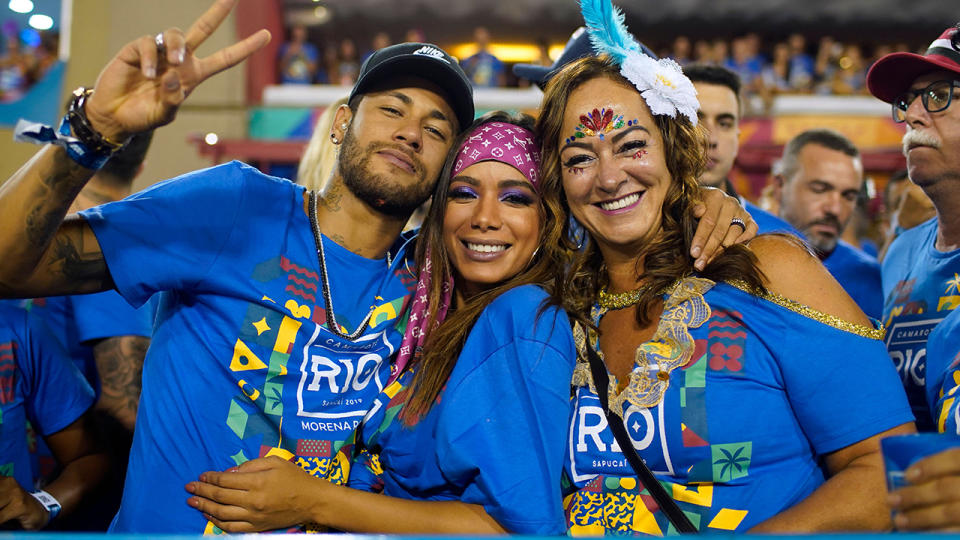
41 225
120 365
79 266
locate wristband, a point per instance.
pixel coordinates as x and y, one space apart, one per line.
37 133
49 502
75 134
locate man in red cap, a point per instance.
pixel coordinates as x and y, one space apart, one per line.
921 272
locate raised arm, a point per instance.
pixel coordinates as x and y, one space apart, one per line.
140 89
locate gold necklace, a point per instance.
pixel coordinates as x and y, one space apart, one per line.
619 300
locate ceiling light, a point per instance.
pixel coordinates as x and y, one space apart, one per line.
41 22
21 6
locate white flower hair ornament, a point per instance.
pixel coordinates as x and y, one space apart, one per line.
661 83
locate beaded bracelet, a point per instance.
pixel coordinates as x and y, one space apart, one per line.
83 130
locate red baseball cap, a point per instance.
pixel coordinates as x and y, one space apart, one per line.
893 74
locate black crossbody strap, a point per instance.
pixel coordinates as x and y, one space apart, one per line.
666 503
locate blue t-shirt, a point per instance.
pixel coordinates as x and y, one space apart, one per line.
742 427
748 70
484 69
767 222
943 373
78 320
39 383
241 364
859 275
296 69
496 434
920 287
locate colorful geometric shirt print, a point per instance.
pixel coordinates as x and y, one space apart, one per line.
496 434
241 364
920 288
740 432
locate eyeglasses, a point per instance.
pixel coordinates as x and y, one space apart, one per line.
935 98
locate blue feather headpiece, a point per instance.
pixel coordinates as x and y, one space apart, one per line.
662 83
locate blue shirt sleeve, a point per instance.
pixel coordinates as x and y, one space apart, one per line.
57 392
107 314
503 427
844 389
169 236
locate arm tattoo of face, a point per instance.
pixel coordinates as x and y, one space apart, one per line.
120 365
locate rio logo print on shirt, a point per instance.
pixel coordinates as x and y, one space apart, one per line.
673 438
302 388
909 323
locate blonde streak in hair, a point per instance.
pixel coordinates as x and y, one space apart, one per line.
320 156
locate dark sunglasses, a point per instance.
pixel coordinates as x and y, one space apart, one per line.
935 98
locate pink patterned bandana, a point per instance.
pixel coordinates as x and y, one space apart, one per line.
415 335
503 142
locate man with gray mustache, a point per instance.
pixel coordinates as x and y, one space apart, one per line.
817 182
921 272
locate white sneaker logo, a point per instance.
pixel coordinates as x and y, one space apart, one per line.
432 52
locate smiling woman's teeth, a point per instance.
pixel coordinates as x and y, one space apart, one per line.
620 203
486 248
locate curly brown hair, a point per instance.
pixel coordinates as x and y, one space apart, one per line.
665 256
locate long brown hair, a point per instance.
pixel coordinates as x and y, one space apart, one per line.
665 256
442 347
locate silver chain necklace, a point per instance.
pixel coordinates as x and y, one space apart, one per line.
325 282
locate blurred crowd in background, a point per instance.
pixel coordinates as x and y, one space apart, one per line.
766 66
25 56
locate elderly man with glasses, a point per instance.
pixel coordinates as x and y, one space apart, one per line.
921 272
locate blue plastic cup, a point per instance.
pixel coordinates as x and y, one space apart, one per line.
902 451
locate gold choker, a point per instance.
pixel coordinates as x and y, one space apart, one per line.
619 300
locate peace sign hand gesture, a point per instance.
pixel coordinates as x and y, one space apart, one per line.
144 84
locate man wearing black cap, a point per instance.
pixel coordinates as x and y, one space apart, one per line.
921 271
279 308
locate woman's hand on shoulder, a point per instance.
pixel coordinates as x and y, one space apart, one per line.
794 272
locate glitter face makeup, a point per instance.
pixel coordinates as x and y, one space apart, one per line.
597 123
640 154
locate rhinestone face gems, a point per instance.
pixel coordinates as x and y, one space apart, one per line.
596 123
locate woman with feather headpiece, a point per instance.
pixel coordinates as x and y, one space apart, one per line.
754 389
